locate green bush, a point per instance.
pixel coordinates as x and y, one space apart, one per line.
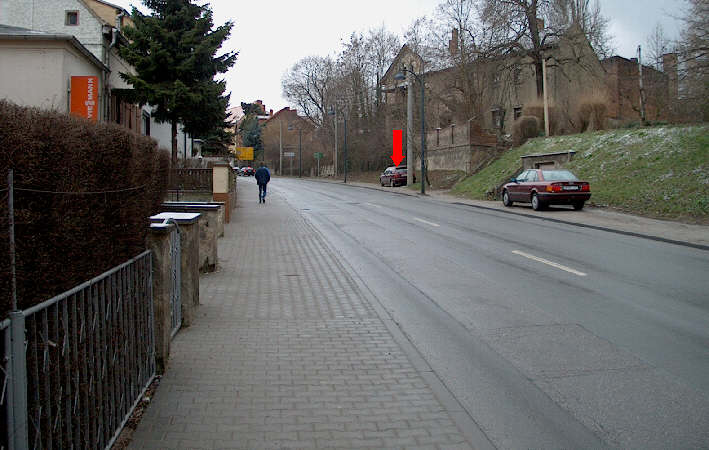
83 195
525 127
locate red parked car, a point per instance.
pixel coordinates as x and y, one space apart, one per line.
394 176
542 187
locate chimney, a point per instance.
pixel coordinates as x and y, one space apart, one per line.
669 66
453 43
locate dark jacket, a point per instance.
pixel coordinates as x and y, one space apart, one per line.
263 176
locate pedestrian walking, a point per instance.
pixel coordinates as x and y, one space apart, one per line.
263 176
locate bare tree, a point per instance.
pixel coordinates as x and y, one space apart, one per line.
588 17
658 45
528 27
694 58
307 85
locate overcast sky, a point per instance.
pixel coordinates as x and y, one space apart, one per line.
271 36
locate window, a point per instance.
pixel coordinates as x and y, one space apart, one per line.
532 175
516 73
498 118
146 124
71 18
522 176
518 112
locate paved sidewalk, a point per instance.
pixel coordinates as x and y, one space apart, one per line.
286 352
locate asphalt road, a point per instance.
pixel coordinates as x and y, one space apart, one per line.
548 335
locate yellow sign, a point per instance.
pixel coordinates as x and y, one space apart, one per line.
245 153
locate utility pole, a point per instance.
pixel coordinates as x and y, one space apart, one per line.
642 90
409 129
546 98
280 148
300 152
336 138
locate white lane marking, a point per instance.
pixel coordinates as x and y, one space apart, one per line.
427 222
372 204
550 263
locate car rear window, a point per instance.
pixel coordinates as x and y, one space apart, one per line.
558 175
401 170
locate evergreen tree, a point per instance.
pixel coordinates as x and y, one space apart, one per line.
173 51
250 129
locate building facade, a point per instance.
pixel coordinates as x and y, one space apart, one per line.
96 25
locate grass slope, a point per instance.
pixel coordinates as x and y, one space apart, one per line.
658 172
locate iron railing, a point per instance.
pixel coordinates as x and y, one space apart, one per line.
89 355
196 180
176 282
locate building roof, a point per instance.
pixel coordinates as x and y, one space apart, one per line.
8 32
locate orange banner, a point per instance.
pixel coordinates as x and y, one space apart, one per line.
84 97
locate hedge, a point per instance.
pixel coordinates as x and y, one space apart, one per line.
83 195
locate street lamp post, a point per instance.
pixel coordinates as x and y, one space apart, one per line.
333 112
401 76
345 118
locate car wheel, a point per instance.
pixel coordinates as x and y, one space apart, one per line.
578 206
537 205
506 198
381 182
391 183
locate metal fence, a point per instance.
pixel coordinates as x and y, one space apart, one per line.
175 279
89 354
197 180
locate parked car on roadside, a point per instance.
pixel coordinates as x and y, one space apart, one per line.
394 176
542 187
247 171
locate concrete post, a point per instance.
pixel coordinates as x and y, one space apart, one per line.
221 187
159 243
189 246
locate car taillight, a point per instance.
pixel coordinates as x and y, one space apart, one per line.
554 187
586 187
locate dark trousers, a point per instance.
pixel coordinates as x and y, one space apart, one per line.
261 191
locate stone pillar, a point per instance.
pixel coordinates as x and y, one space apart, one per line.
188 224
159 243
208 229
221 187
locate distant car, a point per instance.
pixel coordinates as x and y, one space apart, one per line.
394 176
542 187
247 171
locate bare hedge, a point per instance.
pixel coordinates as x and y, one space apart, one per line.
83 195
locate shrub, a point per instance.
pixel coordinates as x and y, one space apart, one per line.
537 110
525 127
83 194
592 113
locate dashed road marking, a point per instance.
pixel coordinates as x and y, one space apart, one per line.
427 222
550 263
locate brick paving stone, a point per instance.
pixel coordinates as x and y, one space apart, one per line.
286 352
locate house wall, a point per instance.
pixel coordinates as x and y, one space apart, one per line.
162 132
624 91
37 73
49 16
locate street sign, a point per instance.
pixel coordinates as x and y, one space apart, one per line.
245 153
289 154
318 155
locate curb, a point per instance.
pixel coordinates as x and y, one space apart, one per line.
548 219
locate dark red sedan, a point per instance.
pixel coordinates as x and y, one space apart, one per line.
394 176
542 187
